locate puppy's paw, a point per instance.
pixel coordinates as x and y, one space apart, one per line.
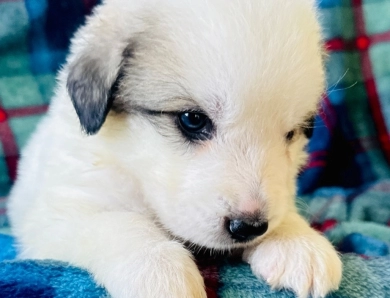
167 270
306 264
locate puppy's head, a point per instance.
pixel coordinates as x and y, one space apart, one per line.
207 105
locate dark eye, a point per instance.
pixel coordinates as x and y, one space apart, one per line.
309 127
192 122
195 125
290 135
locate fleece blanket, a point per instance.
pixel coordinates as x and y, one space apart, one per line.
344 189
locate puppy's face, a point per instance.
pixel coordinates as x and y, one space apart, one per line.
209 104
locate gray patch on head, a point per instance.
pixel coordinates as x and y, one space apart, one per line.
91 90
89 94
119 105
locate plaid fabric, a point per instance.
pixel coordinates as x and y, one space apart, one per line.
34 38
351 144
224 279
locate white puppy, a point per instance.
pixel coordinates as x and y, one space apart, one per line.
193 117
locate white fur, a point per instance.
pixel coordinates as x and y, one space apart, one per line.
114 202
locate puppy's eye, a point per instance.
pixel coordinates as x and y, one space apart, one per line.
195 125
192 122
290 135
309 127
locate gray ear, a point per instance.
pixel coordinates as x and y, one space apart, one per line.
98 53
90 86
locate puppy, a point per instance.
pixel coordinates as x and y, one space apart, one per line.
192 117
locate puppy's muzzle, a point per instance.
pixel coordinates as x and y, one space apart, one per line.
243 231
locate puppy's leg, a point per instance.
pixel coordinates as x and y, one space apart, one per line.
295 256
125 251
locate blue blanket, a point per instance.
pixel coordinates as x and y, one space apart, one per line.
363 277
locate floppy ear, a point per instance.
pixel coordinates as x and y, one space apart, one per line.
98 53
89 85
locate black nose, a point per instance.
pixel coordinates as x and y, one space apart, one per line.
243 231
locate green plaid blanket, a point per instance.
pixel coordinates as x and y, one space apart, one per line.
34 38
351 146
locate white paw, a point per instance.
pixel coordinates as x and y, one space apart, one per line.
167 271
306 264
